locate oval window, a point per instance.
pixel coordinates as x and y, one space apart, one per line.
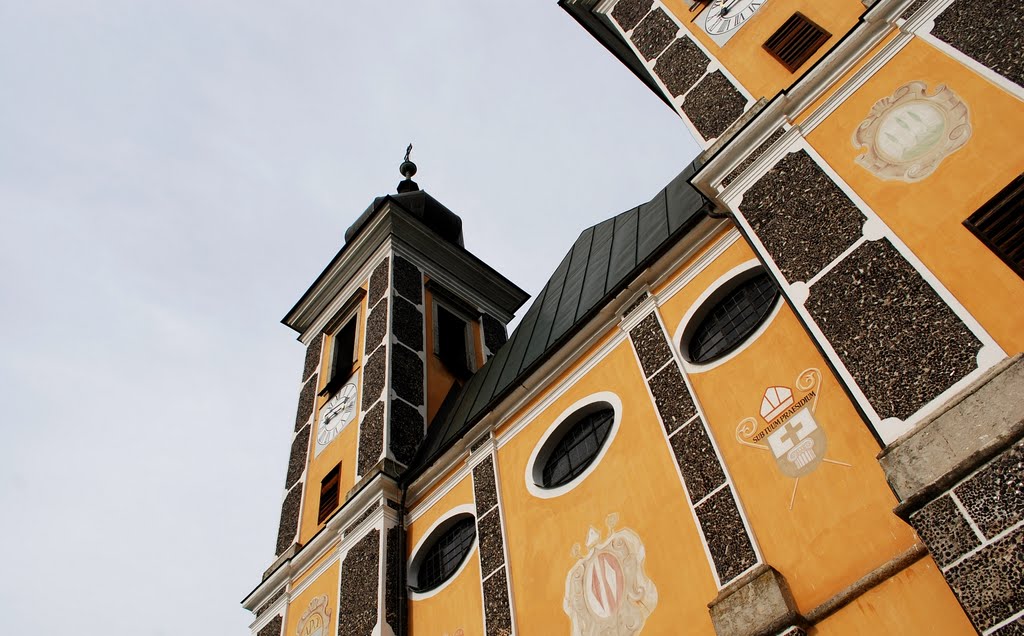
444 554
582 437
732 318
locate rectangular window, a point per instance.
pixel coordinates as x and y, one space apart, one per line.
796 41
999 224
452 342
343 354
330 494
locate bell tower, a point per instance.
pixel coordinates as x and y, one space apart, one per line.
398 319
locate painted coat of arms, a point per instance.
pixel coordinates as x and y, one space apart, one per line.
315 619
908 134
607 592
787 427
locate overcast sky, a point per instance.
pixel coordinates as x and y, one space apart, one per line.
173 175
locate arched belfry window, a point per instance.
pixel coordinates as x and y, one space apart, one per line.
443 553
732 318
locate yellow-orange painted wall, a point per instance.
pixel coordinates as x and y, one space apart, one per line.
325 584
828 539
915 601
460 604
636 479
439 379
928 214
743 55
342 449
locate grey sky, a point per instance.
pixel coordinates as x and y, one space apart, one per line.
173 175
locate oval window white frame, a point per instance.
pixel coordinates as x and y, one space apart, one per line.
548 441
440 525
700 308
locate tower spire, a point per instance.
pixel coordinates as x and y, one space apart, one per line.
408 169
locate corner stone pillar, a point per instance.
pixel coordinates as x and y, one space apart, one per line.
368 593
960 480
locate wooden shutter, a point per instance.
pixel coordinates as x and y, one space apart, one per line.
1000 224
796 41
330 491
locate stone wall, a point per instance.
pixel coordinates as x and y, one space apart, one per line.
490 531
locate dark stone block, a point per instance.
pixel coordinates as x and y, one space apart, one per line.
990 582
305 408
900 341
494 333
407 428
496 607
492 548
628 13
672 398
697 461
371 438
990 32
636 303
270 601
1016 628
681 65
650 344
803 218
361 518
912 9
312 362
359 581
376 326
727 538
408 280
484 491
944 530
713 105
391 579
994 496
752 157
408 324
297 458
478 443
273 628
407 375
378 283
289 518
374 375
654 33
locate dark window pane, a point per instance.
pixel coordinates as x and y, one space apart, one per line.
577 448
451 336
733 319
446 554
344 352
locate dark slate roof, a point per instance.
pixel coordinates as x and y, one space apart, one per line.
603 260
421 206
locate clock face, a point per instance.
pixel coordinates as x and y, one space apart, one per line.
723 17
335 415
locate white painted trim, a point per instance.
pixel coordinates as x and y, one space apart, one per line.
556 431
428 538
709 256
727 281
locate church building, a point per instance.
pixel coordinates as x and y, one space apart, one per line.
784 395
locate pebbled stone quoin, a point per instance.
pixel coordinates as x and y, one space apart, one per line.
484 491
359 580
654 33
391 570
408 280
990 32
752 157
305 408
697 460
727 538
902 344
376 326
273 628
714 104
492 548
406 431
297 458
361 518
628 13
994 496
1016 628
650 344
289 518
990 582
312 362
378 283
407 375
373 376
408 324
496 607
681 65
944 530
672 398
371 438
802 217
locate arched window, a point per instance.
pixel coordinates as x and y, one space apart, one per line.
444 555
577 447
733 318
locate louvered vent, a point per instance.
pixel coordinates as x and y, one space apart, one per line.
796 41
1000 224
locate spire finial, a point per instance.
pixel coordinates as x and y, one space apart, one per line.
408 169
